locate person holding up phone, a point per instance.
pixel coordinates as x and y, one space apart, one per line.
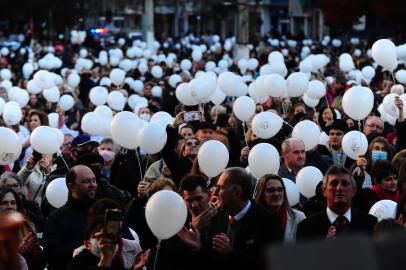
34 173
102 252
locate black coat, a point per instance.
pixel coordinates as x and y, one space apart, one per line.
317 226
257 229
64 232
86 260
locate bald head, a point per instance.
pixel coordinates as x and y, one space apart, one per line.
81 183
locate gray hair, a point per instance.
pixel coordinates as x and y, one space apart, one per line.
4 176
285 147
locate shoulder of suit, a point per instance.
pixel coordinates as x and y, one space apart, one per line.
364 216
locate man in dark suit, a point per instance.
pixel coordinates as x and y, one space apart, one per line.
339 188
250 227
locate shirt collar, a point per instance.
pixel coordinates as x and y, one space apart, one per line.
333 216
244 211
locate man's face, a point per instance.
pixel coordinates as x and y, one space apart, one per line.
373 126
296 156
205 134
196 201
191 147
335 137
66 146
186 133
84 187
339 191
225 192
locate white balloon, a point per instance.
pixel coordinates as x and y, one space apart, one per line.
104 111
129 122
266 124
138 86
98 95
162 118
244 108
117 76
323 139
308 132
358 102
116 100
311 102
228 83
156 91
57 192
261 85
51 94
346 63
174 79
197 55
185 64
157 71
306 66
152 138
73 80
354 144
383 209
53 119
252 64
43 79
165 214
297 84
316 89
389 105
45 140
21 97
66 102
213 157
292 191
263 159
274 57
307 179
28 69
5 74
368 73
401 76
217 97
210 66
184 95
384 53
10 147
12 114
198 88
2 103
33 88
275 85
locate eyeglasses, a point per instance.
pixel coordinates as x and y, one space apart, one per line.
194 143
274 190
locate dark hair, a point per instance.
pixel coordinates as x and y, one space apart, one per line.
43 117
400 208
381 169
6 189
159 184
240 177
337 170
192 181
261 186
388 225
100 206
95 224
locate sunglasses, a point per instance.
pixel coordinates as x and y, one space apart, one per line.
273 190
190 143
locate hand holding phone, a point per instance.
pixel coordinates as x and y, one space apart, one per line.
191 116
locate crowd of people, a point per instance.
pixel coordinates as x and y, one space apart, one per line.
233 216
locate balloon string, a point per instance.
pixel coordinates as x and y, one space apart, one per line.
286 123
59 154
245 135
146 165
158 246
255 189
393 78
359 125
139 164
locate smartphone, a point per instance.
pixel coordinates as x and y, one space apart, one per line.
112 224
37 156
191 116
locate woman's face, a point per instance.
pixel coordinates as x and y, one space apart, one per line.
273 194
379 147
389 183
327 115
13 183
8 203
34 122
299 109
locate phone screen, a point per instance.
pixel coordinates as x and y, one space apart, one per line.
112 224
191 116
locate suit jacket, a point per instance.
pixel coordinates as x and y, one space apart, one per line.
317 226
257 229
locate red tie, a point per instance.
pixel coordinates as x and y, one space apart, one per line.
232 220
